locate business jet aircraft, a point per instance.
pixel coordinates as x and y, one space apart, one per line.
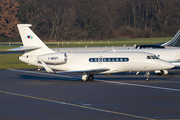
38 54
168 51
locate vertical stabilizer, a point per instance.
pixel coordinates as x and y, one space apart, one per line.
175 42
31 40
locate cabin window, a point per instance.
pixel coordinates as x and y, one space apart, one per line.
108 59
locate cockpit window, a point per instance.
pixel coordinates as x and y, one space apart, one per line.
156 57
152 57
148 57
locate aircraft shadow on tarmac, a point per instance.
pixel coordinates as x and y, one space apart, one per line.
97 77
113 77
48 78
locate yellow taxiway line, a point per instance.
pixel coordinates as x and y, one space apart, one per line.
75 105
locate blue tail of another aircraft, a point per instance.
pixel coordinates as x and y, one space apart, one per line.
175 42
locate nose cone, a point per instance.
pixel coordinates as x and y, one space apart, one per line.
166 65
20 58
23 59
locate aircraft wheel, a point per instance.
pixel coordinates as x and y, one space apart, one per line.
39 69
108 74
165 74
84 77
91 77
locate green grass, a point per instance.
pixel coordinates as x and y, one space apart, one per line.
113 42
6 47
163 39
8 61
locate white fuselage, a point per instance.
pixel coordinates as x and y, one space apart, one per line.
171 55
114 61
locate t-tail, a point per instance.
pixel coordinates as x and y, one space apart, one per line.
32 44
175 42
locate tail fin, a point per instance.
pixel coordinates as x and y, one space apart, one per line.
31 42
175 42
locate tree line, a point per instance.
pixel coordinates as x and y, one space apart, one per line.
90 19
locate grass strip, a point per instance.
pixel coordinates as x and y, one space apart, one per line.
113 42
8 61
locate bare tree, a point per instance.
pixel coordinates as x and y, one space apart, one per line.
61 18
8 19
91 19
163 12
31 12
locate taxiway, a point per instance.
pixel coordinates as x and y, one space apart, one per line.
26 94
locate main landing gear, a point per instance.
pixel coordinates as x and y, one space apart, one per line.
162 72
85 77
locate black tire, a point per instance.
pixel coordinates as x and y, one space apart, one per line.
91 78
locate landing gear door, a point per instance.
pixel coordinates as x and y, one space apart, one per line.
100 60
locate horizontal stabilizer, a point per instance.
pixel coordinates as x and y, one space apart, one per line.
80 71
23 48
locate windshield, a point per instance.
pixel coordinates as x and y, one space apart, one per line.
152 57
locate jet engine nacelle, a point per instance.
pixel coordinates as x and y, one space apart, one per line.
56 58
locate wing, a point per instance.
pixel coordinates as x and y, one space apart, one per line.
91 70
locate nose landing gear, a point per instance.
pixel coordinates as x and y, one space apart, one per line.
147 74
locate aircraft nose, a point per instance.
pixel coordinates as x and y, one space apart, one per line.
167 65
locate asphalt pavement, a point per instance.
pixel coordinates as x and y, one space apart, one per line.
30 95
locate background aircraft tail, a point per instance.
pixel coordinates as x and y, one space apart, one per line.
175 42
31 42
